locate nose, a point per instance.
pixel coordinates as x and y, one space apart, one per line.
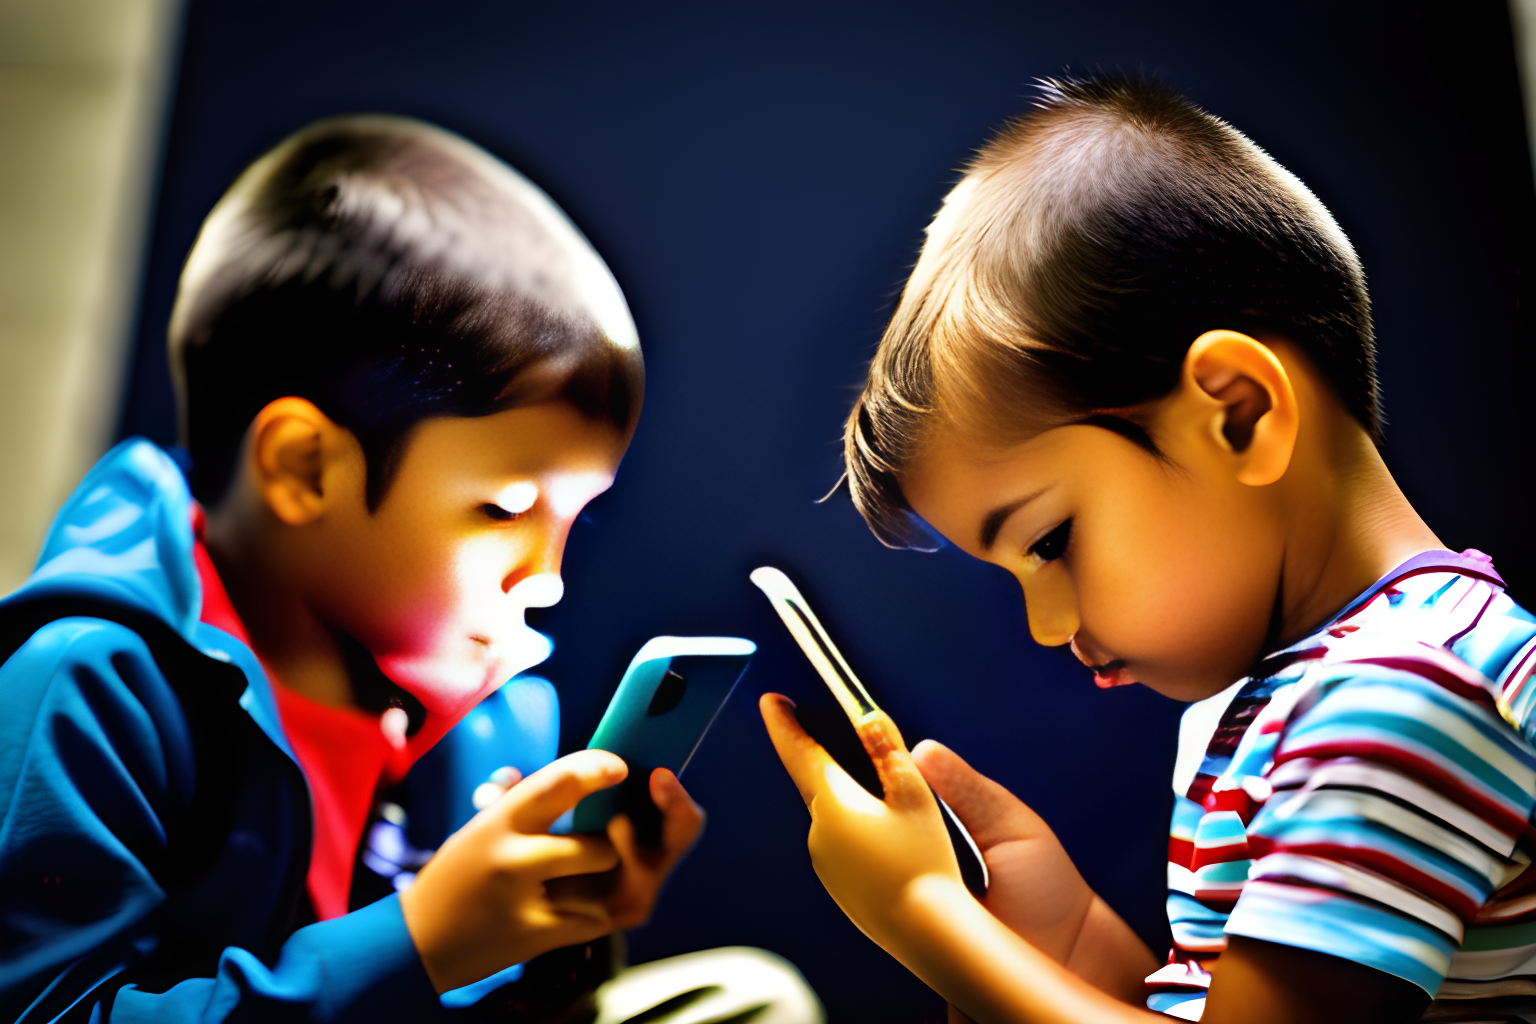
534 578
1050 604
541 590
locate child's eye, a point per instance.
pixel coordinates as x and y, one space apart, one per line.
496 512
1054 544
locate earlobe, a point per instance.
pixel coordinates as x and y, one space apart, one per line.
1257 416
287 458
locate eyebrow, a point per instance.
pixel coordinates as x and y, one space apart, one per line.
993 523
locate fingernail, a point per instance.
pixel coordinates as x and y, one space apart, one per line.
506 777
785 701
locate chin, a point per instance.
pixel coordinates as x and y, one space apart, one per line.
1192 687
445 683
441 683
520 652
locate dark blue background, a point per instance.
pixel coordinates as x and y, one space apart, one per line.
758 177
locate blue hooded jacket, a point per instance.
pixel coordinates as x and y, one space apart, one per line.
155 828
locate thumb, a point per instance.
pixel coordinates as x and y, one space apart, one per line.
533 805
990 813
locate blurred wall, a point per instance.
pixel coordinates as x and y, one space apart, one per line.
1523 18
82 91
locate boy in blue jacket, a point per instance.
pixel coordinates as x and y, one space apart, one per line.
402 373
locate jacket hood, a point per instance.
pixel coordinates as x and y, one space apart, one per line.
125 535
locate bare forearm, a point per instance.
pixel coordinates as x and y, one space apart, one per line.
1109 955
978 964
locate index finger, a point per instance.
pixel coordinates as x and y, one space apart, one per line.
804 758
682 819
533 804
904 785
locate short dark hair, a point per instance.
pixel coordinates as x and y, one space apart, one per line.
1086 247
390 271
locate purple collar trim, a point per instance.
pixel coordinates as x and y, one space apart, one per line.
1470 562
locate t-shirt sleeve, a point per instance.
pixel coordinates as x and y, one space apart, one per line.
1399 796
95 766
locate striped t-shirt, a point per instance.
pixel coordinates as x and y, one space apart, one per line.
1368 793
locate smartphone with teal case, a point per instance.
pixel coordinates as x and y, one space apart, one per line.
666 702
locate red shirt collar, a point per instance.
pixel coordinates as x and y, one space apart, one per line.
343 752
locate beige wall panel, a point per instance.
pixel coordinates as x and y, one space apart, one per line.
82 94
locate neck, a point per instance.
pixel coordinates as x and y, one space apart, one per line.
294 644
1349 526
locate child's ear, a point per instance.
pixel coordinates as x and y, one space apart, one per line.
1251 406
291 442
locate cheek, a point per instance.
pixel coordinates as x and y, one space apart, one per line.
392 588
455 634
442 597
1179 578
421 627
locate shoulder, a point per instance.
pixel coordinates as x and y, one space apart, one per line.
88 691
78 652
1416 678
1440 649
1394 790
75 637
1393 759
1389 697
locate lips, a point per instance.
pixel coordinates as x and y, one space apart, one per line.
1110 674
1106 674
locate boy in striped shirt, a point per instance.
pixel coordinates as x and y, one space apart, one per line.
1134 367
1362 794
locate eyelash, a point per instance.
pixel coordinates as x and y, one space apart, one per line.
499 514
1054 544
